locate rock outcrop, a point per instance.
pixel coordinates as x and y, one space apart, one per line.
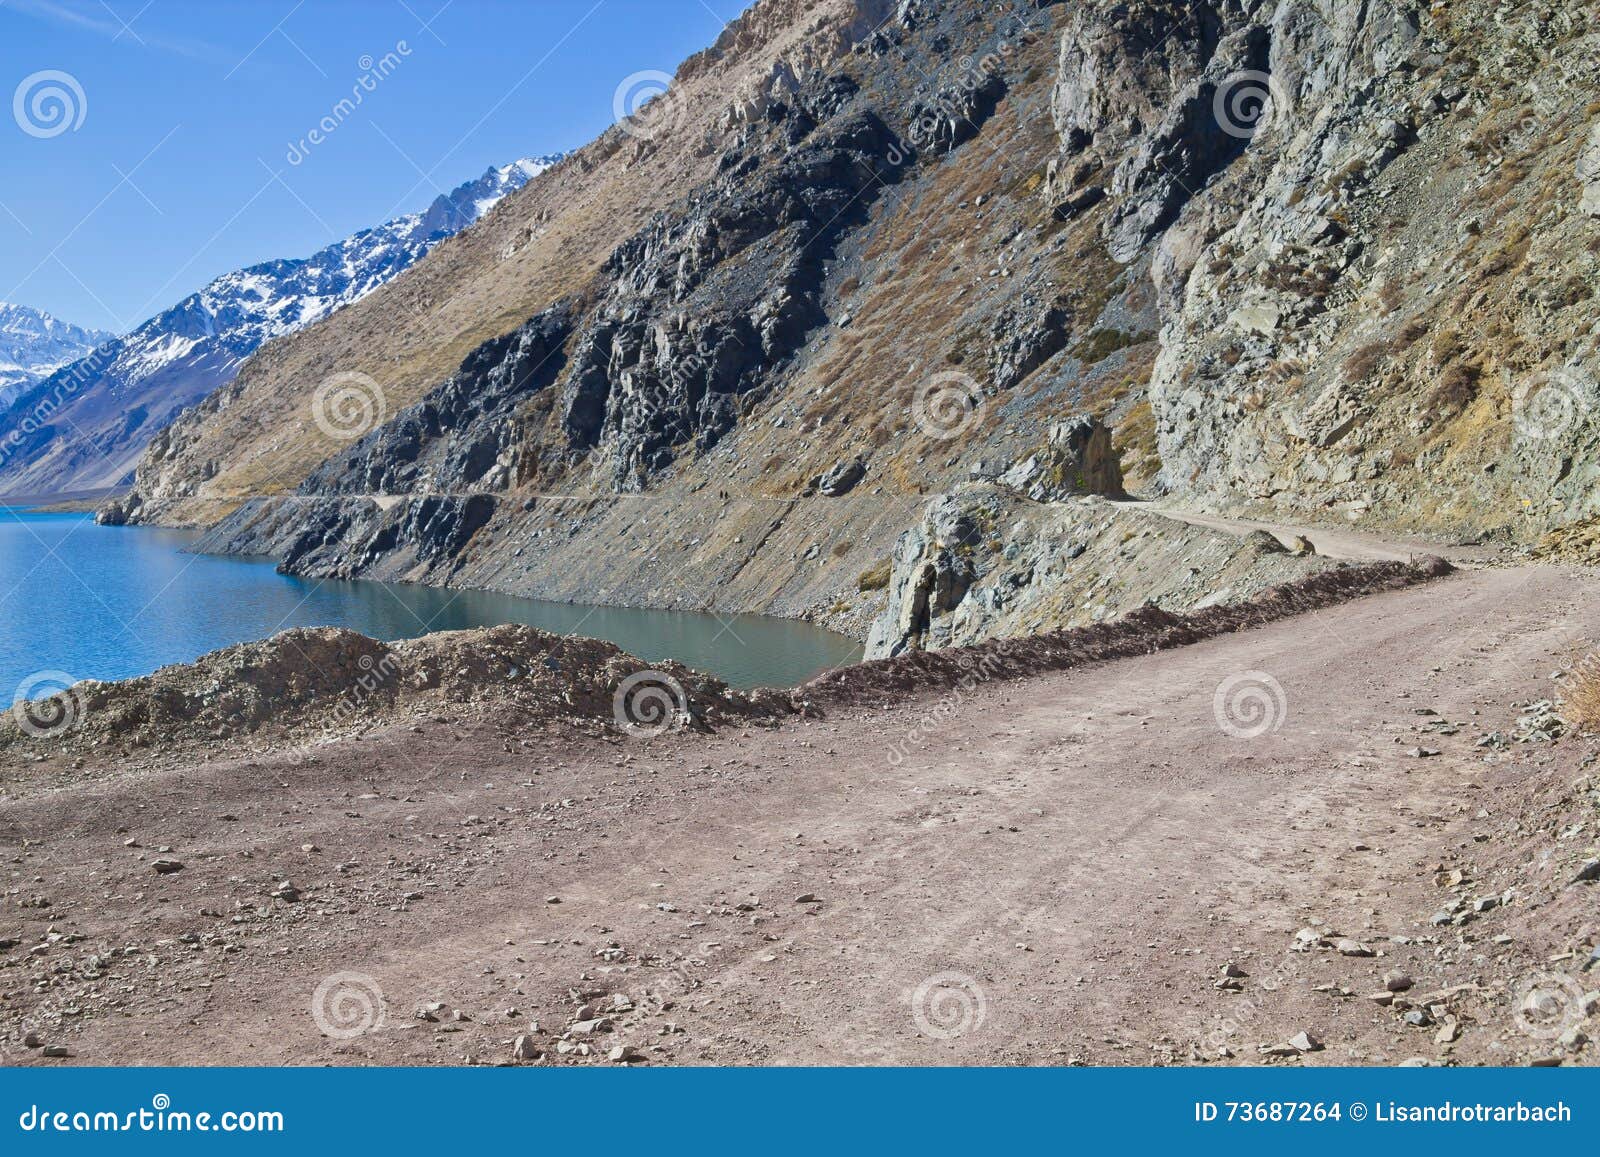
1078 459
984 563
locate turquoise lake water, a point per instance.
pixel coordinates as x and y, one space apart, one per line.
98 602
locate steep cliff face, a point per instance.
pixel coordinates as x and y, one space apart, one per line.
1320 257
1381 311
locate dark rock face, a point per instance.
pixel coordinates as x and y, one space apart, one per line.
1024 338
952 115
699 310
467 433
1182 84
709 299
352 537
339 539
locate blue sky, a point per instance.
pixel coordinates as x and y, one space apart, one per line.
178 169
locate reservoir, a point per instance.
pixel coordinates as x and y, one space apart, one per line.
99 602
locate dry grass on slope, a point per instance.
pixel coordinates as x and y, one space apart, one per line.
1580 698
540 244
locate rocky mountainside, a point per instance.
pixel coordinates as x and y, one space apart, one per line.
34 345
870 267
87 424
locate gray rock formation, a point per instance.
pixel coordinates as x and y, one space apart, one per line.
1078 459
985 563
841 479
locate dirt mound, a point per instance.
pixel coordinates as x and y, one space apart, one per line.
1145 630
321 682
1577 543
314 685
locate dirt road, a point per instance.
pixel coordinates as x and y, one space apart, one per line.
1330 541
1045 871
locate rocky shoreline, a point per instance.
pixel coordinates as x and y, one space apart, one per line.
311 686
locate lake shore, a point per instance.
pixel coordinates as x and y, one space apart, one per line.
113 603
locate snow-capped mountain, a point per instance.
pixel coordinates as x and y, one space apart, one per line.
85 425
33 345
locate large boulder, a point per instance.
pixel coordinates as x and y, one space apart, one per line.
840 478
934 565
1077 460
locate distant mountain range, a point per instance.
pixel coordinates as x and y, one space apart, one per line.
85 425
33 345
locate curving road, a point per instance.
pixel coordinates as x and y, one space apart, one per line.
1029 872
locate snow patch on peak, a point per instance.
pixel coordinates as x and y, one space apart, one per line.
175 359
33 345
